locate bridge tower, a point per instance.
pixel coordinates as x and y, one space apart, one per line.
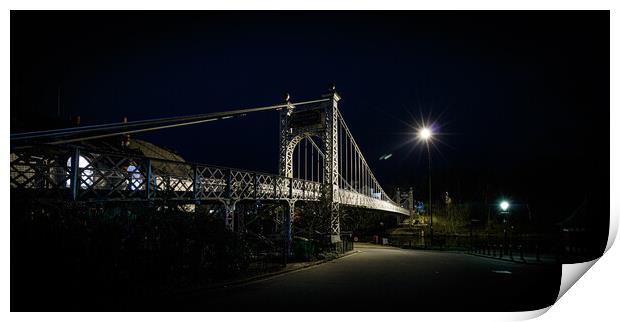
320 120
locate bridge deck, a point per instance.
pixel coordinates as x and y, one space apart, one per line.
102 176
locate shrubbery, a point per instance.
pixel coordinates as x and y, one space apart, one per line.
131 251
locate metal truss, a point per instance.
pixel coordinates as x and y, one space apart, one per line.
51 174
347 178
75 174
355 199
324 127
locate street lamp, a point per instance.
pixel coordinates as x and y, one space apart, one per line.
504 205
425 135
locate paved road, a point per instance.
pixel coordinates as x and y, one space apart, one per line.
391 279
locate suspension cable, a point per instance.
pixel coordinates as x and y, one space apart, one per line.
316 146
362 160
152 124
341 154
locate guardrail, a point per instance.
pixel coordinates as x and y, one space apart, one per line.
100 176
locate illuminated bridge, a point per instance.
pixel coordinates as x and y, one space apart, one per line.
319 160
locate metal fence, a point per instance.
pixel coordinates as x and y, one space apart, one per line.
106 176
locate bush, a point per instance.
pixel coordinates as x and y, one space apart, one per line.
131 251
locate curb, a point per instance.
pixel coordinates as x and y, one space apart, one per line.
284 272
261 277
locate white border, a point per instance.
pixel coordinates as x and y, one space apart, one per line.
592 299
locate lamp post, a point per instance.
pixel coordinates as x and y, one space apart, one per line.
504 205
425 135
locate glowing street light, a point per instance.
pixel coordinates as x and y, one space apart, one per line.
504 205
425 135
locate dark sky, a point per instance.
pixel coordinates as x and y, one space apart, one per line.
521 98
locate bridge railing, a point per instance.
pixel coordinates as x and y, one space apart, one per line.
354 198
49 172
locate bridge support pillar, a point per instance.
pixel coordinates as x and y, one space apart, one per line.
335 223
335 239
289 215
229 214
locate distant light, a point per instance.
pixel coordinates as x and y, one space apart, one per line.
425 133
504 205
385 156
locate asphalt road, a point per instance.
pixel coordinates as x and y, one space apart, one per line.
390 279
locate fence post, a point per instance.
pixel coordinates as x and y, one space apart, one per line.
75 165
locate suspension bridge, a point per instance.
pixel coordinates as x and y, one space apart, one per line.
319 159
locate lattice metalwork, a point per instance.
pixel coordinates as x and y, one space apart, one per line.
113 177
265 186
242 184
110 176
354 199
343 177
319 120
44 174
212 183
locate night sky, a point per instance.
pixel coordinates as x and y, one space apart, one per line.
521 99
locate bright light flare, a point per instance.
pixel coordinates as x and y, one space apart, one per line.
425 133
504 205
